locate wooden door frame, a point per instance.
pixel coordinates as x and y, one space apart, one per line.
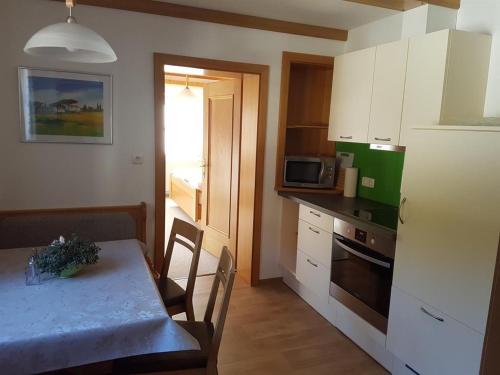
162 59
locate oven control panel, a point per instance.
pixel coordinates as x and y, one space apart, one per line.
383 244
360 235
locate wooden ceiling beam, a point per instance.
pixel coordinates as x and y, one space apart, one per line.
403 5
220 17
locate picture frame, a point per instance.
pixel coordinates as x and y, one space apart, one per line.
65 107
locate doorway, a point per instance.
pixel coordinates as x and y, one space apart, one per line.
226 201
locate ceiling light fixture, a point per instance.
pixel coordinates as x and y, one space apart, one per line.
70 41
187 92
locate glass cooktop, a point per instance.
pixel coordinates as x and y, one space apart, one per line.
386 217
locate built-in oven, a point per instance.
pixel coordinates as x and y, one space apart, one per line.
362 267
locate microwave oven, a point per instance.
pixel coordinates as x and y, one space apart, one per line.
309 172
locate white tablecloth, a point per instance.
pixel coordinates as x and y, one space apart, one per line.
109 310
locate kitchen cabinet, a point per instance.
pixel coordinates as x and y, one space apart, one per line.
314 251
316 218
313 275
432 346
388 89
351 96
315 242
446 79
446 247
379 93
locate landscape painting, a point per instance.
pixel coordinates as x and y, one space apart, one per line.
65 107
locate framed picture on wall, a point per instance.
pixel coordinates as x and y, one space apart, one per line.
65 107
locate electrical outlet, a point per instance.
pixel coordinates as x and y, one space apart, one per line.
368 182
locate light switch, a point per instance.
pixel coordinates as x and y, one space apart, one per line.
137 159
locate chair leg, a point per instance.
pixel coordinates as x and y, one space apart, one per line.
190 311
212 368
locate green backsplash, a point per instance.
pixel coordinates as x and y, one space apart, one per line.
386 167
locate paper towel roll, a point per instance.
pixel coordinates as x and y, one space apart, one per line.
351 182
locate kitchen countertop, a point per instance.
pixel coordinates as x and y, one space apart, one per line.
339 206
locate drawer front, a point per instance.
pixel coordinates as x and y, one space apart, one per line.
313 275
316 218
315 242
429 341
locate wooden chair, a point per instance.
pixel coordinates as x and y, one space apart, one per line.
176 299
208 335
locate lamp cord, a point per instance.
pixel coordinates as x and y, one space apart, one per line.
70 4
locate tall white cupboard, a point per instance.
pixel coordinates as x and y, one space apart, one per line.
446 248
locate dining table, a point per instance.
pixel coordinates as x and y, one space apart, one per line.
109 310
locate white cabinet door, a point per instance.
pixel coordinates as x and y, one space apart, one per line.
429 341
316 218
312 274
315 242
388 89
446 248
446 78
425 75
351 96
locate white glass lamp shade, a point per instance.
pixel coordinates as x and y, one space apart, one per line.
70 41
187 93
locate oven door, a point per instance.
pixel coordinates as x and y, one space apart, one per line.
362 273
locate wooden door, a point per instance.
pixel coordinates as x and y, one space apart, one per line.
221 149
388 91
351 96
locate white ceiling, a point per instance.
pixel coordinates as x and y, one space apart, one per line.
332 13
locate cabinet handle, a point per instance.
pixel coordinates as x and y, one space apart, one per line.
314 230
383 139
343 137
311 263
425 311
401 207
412 370
314 213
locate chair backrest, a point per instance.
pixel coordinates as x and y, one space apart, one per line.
224 276
182 231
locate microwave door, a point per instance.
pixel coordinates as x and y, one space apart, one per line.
301 173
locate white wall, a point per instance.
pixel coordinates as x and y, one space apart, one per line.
484 16
417 21
385 30
62 175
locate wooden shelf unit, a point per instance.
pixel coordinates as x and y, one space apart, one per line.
306 86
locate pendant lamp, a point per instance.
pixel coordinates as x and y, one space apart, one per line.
187 93
70 41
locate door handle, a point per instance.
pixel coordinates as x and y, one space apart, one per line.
383 139
344 137
203 167
401 207
362 256
314 213
425 311
311 263
314 230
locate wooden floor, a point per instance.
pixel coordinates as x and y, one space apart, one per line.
270 330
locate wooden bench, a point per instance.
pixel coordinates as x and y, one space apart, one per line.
26 228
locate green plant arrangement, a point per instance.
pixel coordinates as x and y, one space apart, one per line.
65 258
